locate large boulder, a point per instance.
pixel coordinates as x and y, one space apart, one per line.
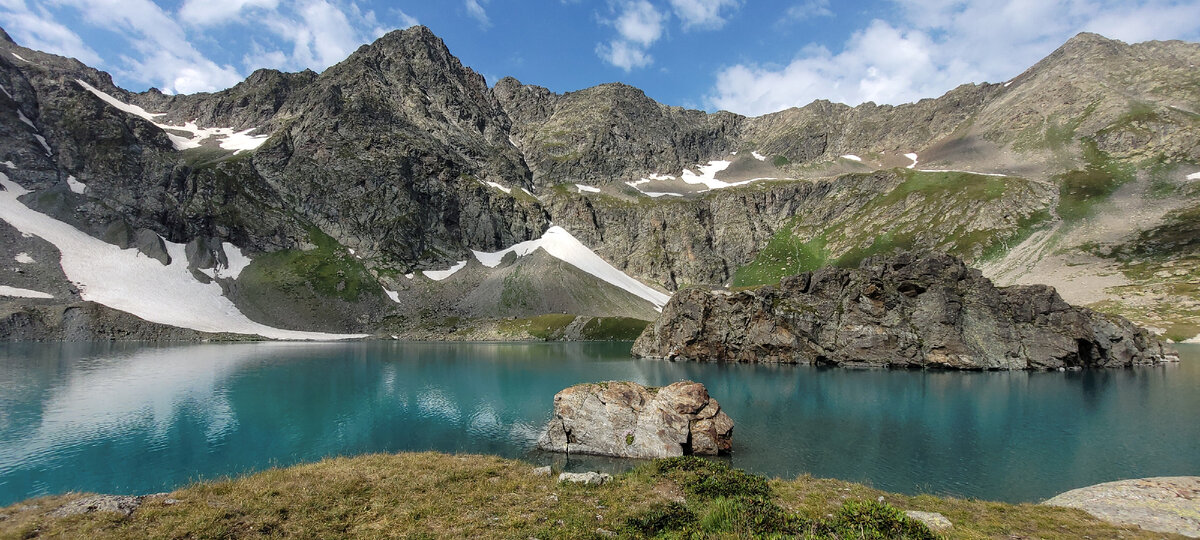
903 311
626 419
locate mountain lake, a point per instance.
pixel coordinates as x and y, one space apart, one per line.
136 418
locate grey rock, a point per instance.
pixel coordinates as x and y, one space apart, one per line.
118 504
626 419
151 245
1164 504
542 471
934 520
909 310
591 478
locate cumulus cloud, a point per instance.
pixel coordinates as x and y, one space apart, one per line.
702 13
37 29
639 24
209 12
166 58
476 11
807 10
935 45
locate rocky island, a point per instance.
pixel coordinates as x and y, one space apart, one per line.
626 419
908 310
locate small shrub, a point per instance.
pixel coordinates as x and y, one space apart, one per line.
874 520
659 518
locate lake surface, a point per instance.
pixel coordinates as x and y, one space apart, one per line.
131 419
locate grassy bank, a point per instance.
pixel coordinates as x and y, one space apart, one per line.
432 495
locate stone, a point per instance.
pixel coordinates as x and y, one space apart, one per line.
542 471
626 419
591 478
908 310
934 520
119 504
1168 504
151 245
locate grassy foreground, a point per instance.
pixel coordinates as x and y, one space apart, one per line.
432 495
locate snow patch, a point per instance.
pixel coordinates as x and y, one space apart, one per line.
500 187
1194 176
42 140
9 164
5 290
708 175
23 258
657 194
21 59
10 96
758 156
75 185
852 157
960 171
438 275
127 280
527 192
395 296
227 138
410 275
1007 84
560 244
587 189
21 116
913 157
238 261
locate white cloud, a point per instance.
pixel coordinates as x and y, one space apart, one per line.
406 20
808 9
935 45
639 24
624 55
477 12
208 12
702 13
38 30
167 58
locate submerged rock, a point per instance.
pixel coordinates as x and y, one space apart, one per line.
626 419
902 311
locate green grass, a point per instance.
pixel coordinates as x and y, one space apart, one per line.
1082 189
433 495
976 187
785 254
327 270
781 161
547 327
614 328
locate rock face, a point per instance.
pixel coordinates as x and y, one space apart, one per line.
902 311
626 419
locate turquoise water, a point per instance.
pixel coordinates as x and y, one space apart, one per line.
116 418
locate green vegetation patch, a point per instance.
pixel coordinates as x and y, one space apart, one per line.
785 254
547 327
1081 190
614 328
327 270
958 185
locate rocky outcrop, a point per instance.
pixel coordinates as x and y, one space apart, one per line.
1169 504
903 311
626 419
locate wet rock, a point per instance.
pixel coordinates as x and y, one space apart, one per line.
626 419
903 311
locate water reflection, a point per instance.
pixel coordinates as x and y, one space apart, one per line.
132 419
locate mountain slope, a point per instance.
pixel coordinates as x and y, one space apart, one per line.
399 161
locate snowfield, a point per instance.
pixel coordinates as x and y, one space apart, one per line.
1194 176
5 290
438 275
227 138
852 157
561 245
75 185
127 280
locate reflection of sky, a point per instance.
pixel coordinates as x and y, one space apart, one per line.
130 419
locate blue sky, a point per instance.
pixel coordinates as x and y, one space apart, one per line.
748 56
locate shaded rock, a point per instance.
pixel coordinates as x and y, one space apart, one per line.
151 245
120 504
1169 504
626 419
590 478
903 311
934 520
